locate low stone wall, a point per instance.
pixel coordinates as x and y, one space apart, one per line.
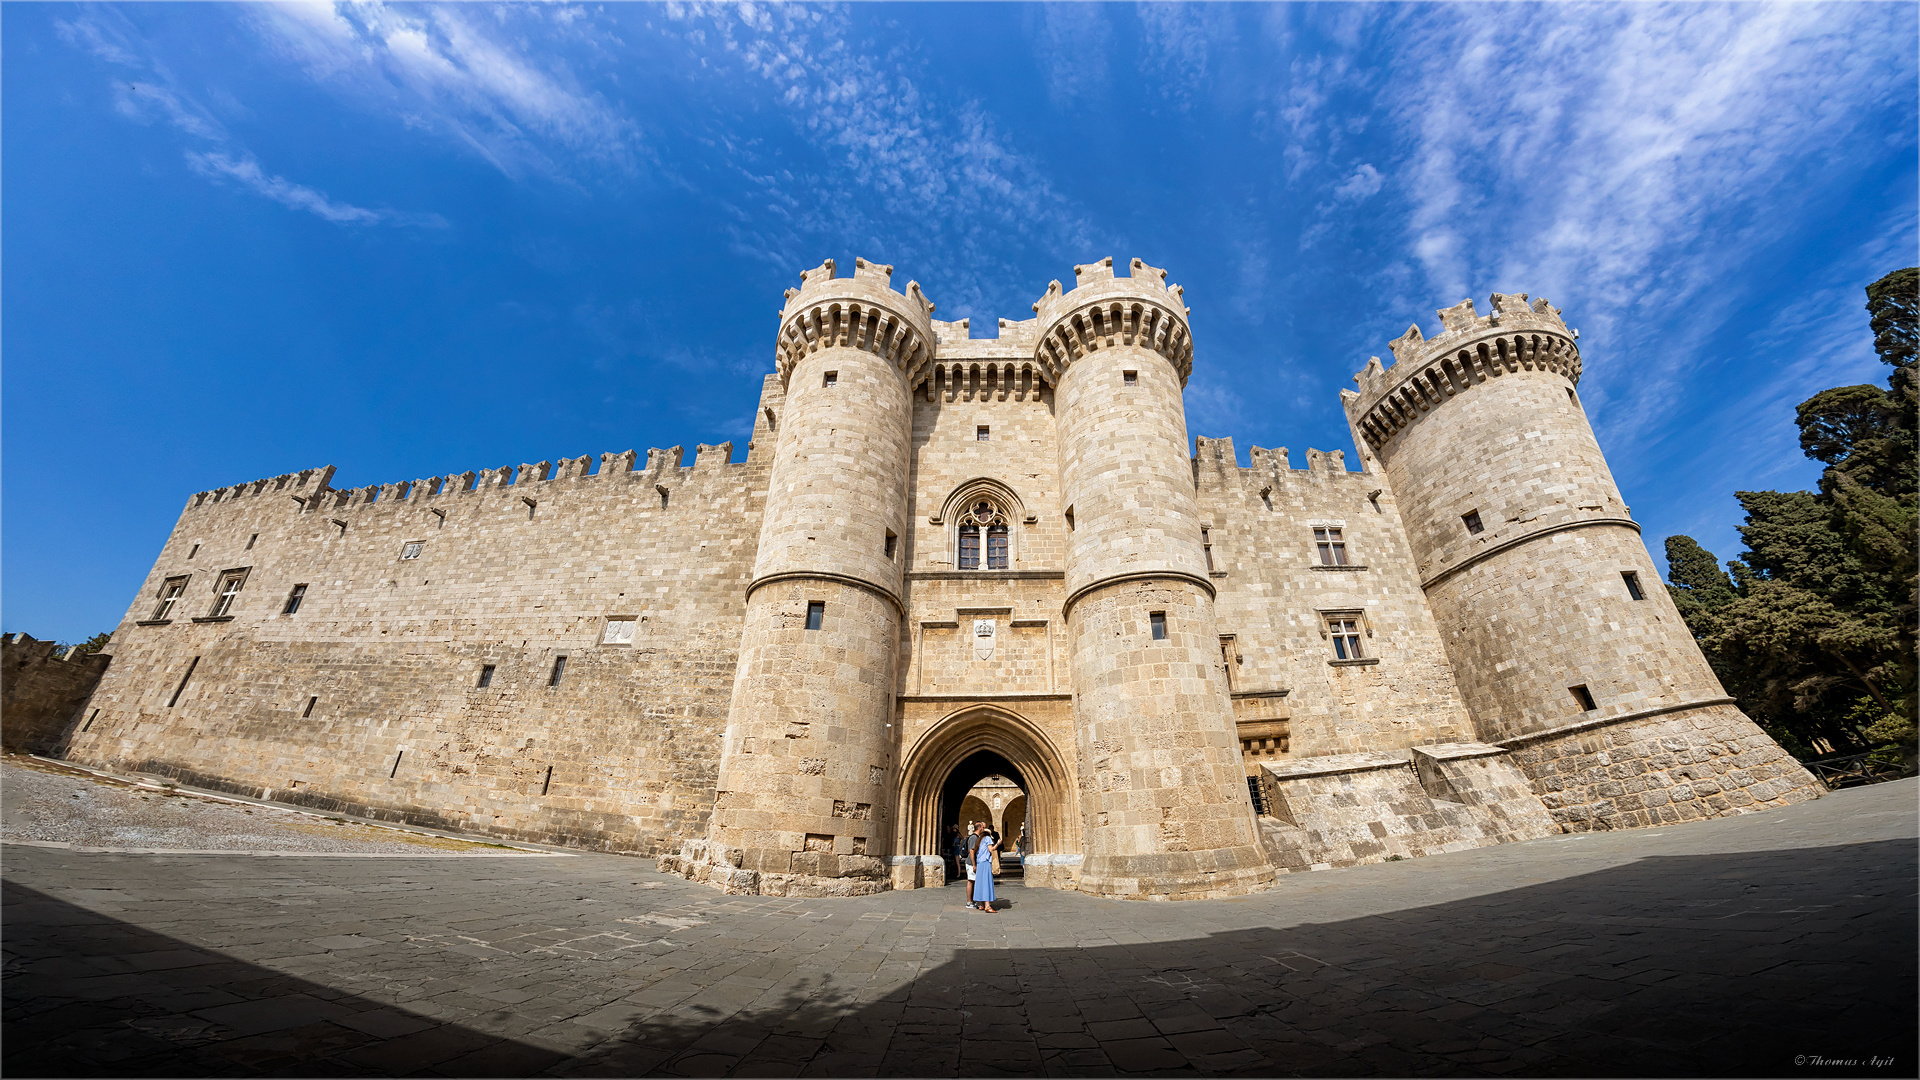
917 871
857 875
1347 809
1702 762
1050 871
41 693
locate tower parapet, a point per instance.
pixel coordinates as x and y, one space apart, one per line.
1104 311
861 312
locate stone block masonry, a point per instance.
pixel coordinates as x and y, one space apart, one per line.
42 690
946 559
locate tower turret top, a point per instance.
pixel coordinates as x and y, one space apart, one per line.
1103 311
861 312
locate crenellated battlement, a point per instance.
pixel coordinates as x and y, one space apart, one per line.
1104 311
1516 335
862 312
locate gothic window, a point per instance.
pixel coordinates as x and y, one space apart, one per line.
983 525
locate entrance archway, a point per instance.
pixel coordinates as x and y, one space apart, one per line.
968 746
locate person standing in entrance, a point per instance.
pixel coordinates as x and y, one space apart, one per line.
983 868
953 851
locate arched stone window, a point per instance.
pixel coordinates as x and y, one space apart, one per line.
982 537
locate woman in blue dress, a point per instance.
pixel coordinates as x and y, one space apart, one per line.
983 868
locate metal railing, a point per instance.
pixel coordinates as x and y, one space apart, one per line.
1852 770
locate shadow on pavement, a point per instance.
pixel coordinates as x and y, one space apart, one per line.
1715 965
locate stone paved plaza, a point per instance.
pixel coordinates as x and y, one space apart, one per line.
1775 944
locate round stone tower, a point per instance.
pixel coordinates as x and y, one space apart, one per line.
1166 805
1563 640
805 774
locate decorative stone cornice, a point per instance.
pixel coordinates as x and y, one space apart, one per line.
1103 311
861 312
1517 335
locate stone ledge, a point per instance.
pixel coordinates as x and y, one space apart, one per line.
153 622
1035 696
213 618
1456 750
1362 662
1342 566
1336 763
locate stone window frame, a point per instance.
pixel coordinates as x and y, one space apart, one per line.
958 512
1344 546
172 591
983 529
296 596
1354 641
226 592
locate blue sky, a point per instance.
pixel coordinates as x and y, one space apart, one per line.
407 241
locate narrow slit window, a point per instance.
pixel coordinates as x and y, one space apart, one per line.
1633 585
816 613
308 711
1572 398
251 539
892 543
294 597
90 719
982 433
830 379
1472 521
182 688
1344 630
1266 498
195 551
1129 378
395 771
547 784
1069 519
1206 546
1331 545
1582 697
486 677
559 671
1157 620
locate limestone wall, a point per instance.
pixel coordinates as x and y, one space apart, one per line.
42 690
367 698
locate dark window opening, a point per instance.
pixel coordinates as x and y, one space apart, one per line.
293 600
547 784
1472 520
1572 399
1206 546
251 539
1331 544
980 433
816 613
395 771
830 379
1069 519
308 711
182 688
90 720
1266 498
892 542
559 670
195 551
486 676
1345 632
1583 697
1158 621
1129 378
1633 584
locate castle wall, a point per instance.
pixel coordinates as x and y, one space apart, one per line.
366 698
41 692
1274 589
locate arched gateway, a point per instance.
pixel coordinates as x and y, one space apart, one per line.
980 741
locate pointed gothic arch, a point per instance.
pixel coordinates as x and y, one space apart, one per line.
981 733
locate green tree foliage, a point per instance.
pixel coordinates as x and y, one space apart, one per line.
1814 629
95 643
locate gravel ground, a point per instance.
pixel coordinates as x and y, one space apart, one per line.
46 802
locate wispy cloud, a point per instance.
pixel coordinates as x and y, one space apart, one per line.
152 92
441 70
248 174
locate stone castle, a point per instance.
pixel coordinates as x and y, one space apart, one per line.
945 559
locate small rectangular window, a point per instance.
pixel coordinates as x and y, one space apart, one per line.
1344 629
251 539
980 434
170 594
1158 621
1331 545
830 379
1206 546
559 670
969 553
619 632
1472 520
1633 584
486 676
411 549
816 613
1129 378
195 551
228 591
892 542
90 719
1069 519
311 702
1582 696
298 594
